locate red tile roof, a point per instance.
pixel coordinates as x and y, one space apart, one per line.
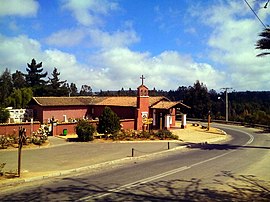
124 101
119 101
66 101
167 105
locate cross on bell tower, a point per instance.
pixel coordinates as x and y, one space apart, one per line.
142 111
142 78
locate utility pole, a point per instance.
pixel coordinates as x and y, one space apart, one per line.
227 103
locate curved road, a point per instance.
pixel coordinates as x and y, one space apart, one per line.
237 170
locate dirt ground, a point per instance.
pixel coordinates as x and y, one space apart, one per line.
197 134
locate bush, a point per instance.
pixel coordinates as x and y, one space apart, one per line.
145 134
109 122
166 134
85 131
119 135
4 142
4 115
36 139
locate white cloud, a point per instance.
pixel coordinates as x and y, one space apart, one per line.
111 68
66 37
16 52
167 70
93 38
18 8
68 66
88 12
234 32
116 39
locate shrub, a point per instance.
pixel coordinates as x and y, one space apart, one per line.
13 139
36 139
109 122
4 143
165 134
4 115
145 134
119 135
85 131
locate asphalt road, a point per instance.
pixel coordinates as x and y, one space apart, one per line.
235 171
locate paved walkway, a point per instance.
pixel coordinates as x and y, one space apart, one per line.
62 157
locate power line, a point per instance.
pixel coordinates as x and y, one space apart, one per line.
256 13
265 6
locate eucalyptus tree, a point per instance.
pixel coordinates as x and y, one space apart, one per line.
19 98
198 98
86 90
6 87
73 91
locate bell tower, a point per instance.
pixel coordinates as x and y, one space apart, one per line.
142 104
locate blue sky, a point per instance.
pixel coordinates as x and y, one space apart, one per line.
108 44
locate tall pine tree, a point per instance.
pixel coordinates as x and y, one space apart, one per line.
55 86
34 77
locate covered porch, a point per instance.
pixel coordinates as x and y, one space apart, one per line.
164 114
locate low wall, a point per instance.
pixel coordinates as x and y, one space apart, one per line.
70 127
13 128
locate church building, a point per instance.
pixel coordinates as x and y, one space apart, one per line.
157 111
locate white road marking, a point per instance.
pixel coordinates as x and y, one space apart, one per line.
162 175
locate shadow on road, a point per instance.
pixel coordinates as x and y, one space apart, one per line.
206 146
225 187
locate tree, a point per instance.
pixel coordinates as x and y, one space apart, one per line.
18 80
55 86
6 87
34 77
198 98
15 99
27 95
264 42
20 98
179 94
85 131
109 122
86 90
4 115
73 91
